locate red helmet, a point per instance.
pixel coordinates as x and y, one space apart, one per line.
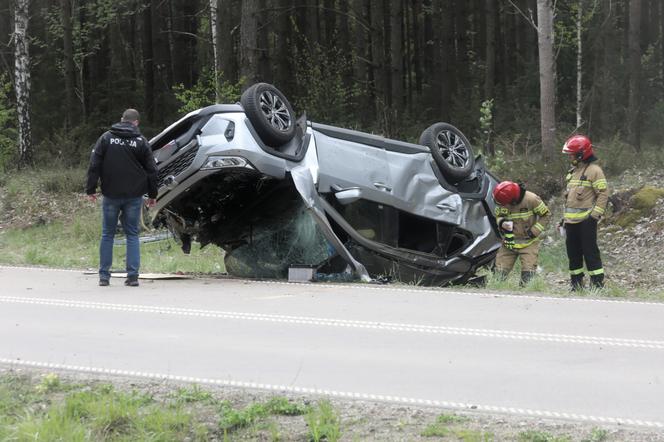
579 146
506 193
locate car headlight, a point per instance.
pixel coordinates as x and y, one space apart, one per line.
219 162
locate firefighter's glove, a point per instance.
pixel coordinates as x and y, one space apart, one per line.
506 226
508 240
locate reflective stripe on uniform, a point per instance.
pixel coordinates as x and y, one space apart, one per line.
600 184
539 227
576 271
541 209
569 214
523 245
598 210
519 215
596 272
501 211
580 183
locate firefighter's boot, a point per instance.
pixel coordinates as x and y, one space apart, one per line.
597 281
526 277
577 283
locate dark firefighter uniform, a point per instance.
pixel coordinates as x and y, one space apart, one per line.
586 198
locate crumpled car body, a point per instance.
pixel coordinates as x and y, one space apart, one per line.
334 199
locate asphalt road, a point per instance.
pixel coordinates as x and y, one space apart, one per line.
580 359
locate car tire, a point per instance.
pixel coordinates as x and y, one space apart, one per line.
270 114
451 151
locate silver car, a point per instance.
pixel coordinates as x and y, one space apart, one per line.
276 192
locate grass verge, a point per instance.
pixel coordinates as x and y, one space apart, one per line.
75 244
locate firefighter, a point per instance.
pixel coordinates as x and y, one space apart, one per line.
586 196
522 216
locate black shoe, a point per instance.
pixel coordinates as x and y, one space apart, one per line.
131 282
597 281
104 282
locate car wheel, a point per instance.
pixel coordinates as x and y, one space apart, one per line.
270 113
450 149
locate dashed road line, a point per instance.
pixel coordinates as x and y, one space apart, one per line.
343 323
465 406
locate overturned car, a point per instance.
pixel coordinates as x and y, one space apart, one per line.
274 191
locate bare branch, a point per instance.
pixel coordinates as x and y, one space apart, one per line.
528 19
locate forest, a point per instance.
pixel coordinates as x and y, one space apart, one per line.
517 76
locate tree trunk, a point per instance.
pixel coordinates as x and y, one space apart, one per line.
71 116
344 46
148 63
214 22
490 74
263 52
22 84
462 63
283 48
228 31
547 74
329 22
249 42
378 55
434 63
633 113
418 43
661 44
448 59
172 48
5 34
312 27
360 61
396 51
84 68
579 64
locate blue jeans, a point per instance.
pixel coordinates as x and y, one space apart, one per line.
129 212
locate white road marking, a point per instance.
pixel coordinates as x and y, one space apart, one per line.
395 288
328 322
467 406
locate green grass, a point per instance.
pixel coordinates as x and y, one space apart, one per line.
232 418
47 408
52 410
541 436
46 221
451 425
75 244
597 435
323 422
188 395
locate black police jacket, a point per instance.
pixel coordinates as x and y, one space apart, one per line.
122 158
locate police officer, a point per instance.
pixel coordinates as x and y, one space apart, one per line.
123 160
522 216
586 197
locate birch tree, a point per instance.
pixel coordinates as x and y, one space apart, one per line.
22 83
69 67
579 63
215 49
633 112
